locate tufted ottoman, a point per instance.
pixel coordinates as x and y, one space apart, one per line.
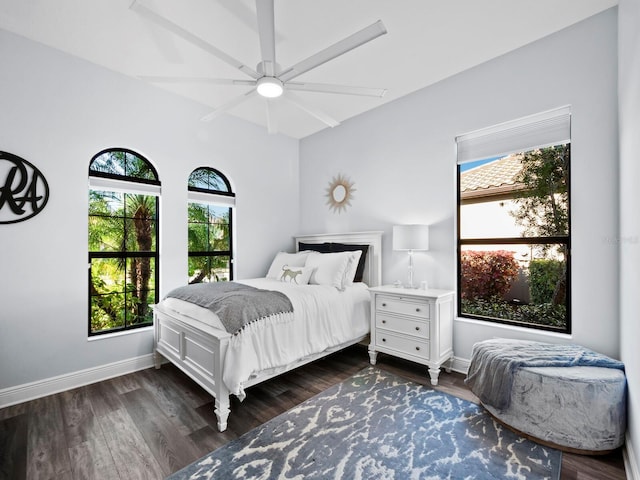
579 409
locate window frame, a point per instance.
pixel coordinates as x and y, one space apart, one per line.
507 146
218 198
125 184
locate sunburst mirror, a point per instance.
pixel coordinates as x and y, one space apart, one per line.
340 193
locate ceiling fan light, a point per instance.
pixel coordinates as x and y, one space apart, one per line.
269 87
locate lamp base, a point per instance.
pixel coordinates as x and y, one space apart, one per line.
410 284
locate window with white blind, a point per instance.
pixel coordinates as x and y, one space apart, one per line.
513 223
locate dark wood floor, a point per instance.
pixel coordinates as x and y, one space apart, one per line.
151 423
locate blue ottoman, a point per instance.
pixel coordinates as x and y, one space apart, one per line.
576 409
564 396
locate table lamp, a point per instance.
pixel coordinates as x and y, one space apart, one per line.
411 238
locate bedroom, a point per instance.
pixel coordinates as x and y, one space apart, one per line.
58 111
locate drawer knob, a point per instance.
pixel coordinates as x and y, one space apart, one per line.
384 339
417 309
384 321
418 348
384 304
418 329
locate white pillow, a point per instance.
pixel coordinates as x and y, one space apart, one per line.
284 259
330 268
352 267
296 275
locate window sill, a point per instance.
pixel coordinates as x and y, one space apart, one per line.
533 332
107 336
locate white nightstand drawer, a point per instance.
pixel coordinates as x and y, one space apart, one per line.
408 346
419 328
402 305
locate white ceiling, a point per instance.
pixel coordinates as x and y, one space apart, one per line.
427 41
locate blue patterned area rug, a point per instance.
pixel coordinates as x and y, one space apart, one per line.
376 425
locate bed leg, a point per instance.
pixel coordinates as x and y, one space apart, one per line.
222 412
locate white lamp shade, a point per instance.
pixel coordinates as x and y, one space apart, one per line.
411 237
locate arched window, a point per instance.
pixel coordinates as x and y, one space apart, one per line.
211 203
123 241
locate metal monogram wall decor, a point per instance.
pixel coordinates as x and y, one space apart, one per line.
24 191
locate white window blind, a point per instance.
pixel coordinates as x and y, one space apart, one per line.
535 131
123 186
214 198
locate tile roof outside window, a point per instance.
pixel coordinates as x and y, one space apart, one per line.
496 177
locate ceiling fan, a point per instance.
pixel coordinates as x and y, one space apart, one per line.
268 80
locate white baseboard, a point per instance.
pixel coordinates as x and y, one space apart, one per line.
460 365
631 465
42 388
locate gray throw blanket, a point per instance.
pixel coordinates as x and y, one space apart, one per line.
237 305
494 362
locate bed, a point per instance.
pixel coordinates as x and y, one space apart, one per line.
325 318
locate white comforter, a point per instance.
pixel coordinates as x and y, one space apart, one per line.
323 319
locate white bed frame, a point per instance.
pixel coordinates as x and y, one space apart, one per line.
199 351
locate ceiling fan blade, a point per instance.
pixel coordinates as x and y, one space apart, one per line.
272 115
229 105
191 38
241 11
340 89
343 46
244 14
211 81
267 32
165 44
313 111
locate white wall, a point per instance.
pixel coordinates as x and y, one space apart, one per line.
629 239
57 112
402 159
494 219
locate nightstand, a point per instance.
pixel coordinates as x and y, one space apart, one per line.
413 324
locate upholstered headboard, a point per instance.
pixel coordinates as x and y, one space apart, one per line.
373 265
